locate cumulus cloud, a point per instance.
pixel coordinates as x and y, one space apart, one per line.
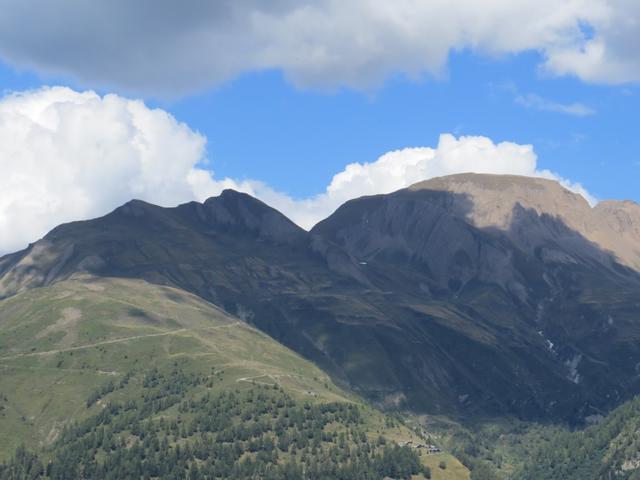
166 47
67 155
398 169
605 53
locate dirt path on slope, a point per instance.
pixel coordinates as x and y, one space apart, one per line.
91 345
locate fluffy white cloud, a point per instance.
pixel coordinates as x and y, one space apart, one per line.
166 47
605 53
398 169
66 155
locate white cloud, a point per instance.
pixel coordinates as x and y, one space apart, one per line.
608 54
66 155
398 169
537 102
166 47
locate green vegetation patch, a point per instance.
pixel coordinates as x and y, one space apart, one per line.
182 426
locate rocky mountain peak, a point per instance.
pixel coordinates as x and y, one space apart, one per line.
503 202
237 210
493 198
134 208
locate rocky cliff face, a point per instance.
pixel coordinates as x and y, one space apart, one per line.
469 294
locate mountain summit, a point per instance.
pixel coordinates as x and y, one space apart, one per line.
613 226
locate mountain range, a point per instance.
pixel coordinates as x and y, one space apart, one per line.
468 295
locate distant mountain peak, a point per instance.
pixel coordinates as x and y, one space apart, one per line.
495 196
233 199
240 210
492 201
488 181
134 208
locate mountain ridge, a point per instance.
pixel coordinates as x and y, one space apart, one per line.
400 297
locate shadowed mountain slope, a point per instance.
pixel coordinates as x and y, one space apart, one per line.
472 294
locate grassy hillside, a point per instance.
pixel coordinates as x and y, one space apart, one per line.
147 363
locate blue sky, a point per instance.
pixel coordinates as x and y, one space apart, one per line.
278 99
260 121
262 127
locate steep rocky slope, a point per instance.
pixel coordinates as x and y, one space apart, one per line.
529 264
